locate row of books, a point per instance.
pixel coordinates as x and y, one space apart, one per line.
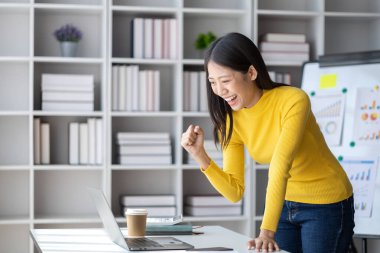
214 152
194 205
211 205
154 38
284 48
85 142
280 77
134 89
67 92
147 148
194 91
41 141
156 205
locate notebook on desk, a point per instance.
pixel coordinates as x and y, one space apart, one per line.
131 244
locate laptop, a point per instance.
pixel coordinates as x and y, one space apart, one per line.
131 244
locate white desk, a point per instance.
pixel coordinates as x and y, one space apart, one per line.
96 240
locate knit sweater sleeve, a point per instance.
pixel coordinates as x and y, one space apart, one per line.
294 116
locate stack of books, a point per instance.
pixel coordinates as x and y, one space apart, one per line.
154 38
194 91
41 142
62 92
144 148
214 152
280 77
156 205
85 142
211 205
183 228
134 89
284 48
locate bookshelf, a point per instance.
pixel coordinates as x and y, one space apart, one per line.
45 196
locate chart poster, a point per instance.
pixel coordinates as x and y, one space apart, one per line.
366 119
328 109
362 175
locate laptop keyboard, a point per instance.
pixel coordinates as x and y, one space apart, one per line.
142 243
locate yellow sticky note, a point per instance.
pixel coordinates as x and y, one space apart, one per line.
327 81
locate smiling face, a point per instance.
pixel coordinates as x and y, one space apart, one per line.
237 89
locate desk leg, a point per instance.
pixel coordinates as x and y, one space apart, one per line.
364 245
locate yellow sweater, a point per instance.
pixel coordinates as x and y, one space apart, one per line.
281 130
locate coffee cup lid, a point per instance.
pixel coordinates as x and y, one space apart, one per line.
135 211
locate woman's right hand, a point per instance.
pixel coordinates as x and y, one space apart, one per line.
193 142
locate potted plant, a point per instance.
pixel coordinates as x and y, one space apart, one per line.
203 41
68 36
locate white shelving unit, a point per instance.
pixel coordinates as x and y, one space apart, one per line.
44 196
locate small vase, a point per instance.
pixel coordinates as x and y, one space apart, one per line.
68 48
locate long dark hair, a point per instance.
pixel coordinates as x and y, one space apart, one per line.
237 52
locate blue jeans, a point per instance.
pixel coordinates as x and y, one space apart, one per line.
316 228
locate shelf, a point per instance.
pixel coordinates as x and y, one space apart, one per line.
193 62
48 59
196 12
38 113
144 114
291 5
67 167
118 167
73 8
290 14
14 220
145 9
12 168
117 60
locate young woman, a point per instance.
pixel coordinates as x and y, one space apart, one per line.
309 203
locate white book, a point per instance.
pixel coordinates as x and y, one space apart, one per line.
129 89
91 126
141 142
144 149
272 75
286 57
142 90
74 143
213 211
83 143
166 39
209 200
138 38
135 87
203 106
279 77
156 211
186 91
115 87
143 135
287 78
45 143
150 90
157 89
122 87
67 79
67 96
194 91
147 200
284 47
157 38
145 159
68 106
148 38
99 141
173 39
284 37
67 87
37 140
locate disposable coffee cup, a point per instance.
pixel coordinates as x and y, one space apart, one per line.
136 222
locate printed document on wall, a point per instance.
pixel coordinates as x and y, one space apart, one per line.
366 121
328 109
362 175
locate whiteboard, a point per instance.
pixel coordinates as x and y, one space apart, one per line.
348 79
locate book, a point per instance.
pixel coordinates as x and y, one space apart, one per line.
194 91
137 38
135 87
142 90
158 211
83 143
284 37
67 106
183 228
122 87
74 143
157 89
145 159
37 140
147 200
157 38
67 96
63 80
173 35
91 126
115 87
143 135
145 149
209 200
212 210
284 47
285 57
203 104
148 38
99 141
142 142
45 143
